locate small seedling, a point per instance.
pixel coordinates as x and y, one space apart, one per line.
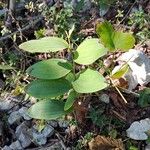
57 78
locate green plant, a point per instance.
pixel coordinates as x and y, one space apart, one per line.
144 100
140 20
57 78
39 33
130 145
61 19
83 142
98 117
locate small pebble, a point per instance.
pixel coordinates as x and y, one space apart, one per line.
16 145
14 117
104 98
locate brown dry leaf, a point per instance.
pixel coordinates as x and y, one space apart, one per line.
80 111
105 143
121 82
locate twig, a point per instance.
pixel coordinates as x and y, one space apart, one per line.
121 94
61 141
30 25
117 89
127 13
118 115
130 92
12 4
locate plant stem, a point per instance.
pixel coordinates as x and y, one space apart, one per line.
70 50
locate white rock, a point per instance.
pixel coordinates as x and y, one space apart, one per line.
132 80
129 76
14 117
139 71
138 129
139 64
104 98
16 146
24 113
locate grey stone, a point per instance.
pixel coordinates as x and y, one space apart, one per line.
23 135
104 98
23 112
147 147
2 12
138 129
6 148
16 146
21 128
48 131
63 124
6 105
103 10
87 5
53 123
24 139
14 117
39 138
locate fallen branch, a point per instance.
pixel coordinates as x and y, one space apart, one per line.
61 141
30 25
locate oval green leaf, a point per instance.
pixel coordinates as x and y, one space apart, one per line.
89 81
44 45
48 88
120 72
50 69
123 41
105 31
70 100
89 51
47 109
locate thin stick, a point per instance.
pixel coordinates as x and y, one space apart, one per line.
61 141
32 24
127 13
119 91
121 94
